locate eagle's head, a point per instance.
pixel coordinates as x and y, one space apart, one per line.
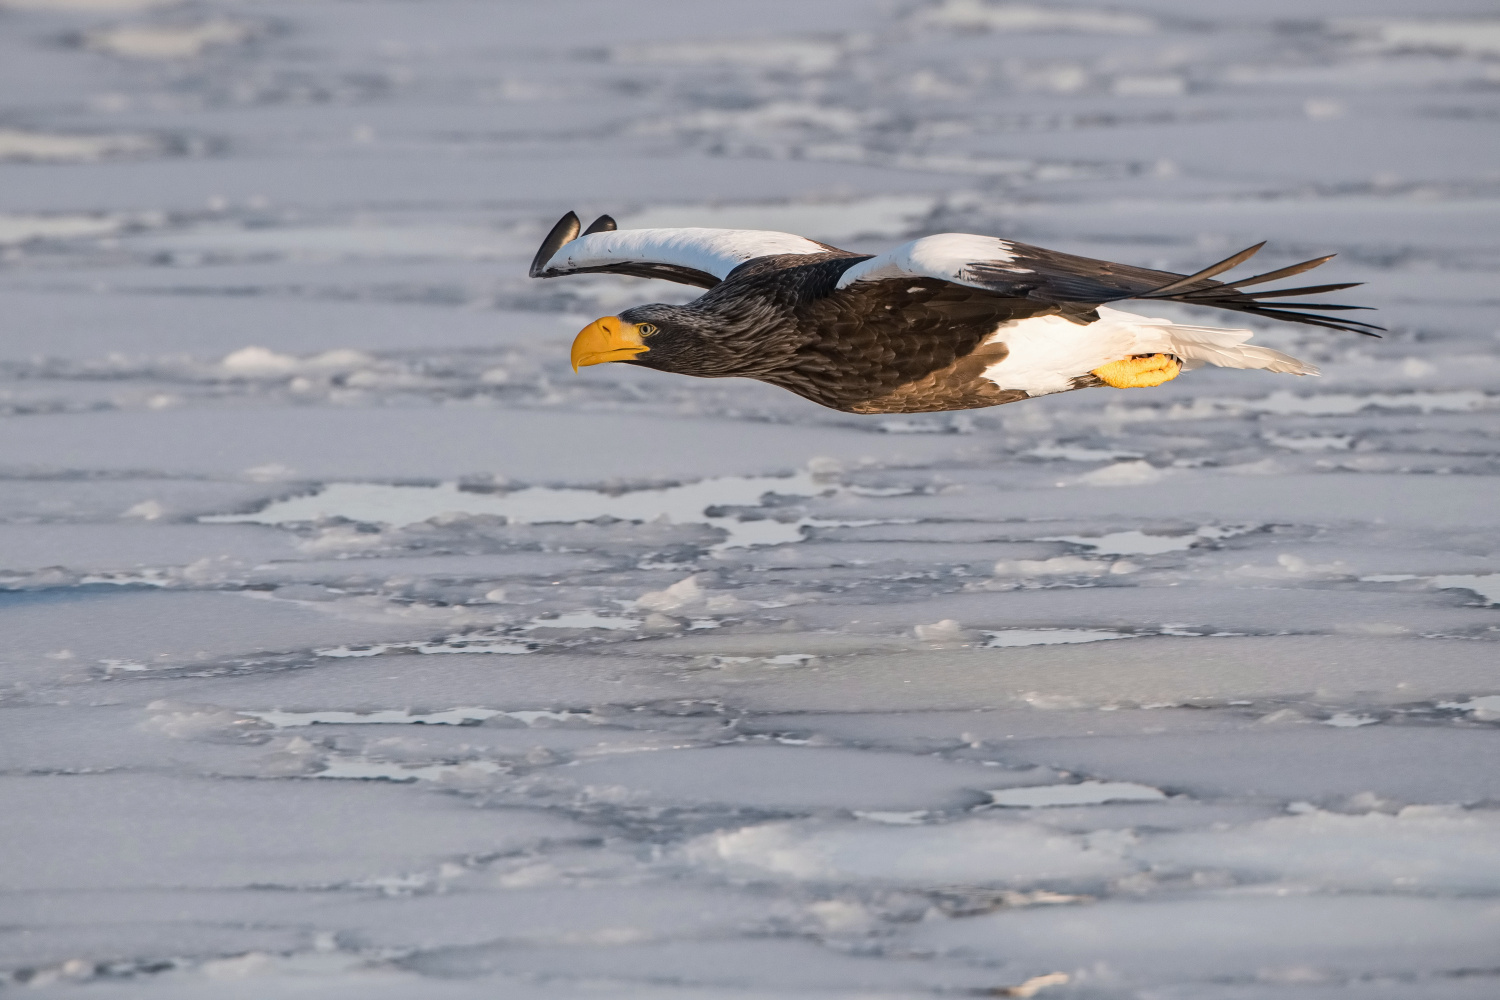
664 337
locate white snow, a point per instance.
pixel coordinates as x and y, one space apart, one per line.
354 646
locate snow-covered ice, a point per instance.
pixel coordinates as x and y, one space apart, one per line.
355 646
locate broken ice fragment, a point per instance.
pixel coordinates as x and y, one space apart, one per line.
1049 636
384 717
1083 793
584 619
1346 720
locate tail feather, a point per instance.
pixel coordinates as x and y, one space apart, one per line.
1200 345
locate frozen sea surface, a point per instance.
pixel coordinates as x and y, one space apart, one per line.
355 647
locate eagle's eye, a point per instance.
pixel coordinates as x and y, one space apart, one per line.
647 329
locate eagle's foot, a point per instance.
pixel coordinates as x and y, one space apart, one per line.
1140 372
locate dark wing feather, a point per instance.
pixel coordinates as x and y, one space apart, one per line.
1208 272
644 269
1285 272
1048 276
563 232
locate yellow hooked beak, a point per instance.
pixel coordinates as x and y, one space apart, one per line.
607 339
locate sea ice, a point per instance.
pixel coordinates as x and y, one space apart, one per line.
355 646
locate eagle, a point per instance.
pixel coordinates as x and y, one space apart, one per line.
952 321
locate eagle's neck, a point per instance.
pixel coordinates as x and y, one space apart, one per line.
751 323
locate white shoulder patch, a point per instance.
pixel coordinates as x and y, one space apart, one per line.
714 251
946 257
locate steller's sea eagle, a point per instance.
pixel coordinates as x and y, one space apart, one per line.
946 322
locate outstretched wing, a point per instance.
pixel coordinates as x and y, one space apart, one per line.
1045 276
702 257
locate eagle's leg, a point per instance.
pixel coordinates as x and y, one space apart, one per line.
1140 372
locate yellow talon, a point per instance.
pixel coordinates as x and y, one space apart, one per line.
1140 372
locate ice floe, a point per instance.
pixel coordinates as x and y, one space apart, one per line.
349 769
168 41
454 644
386 717
806 55
1048 637
1023 17
973 852
691 502
1138 543
1474 36
20 228
1484 709
1083 793
1487 586
17 144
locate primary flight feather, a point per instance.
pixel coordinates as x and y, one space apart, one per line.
946 322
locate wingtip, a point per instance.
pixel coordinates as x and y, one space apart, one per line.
603 224
1173 287
565 231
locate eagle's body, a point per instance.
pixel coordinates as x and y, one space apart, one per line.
947 322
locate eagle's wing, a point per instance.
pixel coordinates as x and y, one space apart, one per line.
702 257
1017 270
